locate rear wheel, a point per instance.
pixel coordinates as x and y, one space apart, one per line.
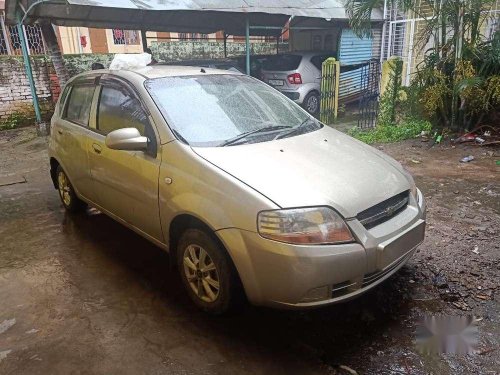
66 192
311 103
207 272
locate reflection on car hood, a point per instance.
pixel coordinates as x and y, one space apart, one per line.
324 167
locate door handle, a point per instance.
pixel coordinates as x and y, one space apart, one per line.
97 148
59 131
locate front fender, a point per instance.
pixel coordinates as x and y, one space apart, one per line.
189 184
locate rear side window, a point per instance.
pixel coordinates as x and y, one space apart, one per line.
78 107
119 109
283 62
318 60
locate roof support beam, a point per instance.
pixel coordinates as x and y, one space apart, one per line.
225 43
144 40
247 44
27 67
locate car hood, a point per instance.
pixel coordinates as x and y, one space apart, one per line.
324 167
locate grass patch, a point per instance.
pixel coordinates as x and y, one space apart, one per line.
392 133
16 120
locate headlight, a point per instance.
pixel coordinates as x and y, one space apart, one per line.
413 187
313 226
414 191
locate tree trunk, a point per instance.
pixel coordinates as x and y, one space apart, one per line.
54 52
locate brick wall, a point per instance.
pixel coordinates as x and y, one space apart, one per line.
15 93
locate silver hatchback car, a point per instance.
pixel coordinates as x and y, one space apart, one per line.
298 76
249 194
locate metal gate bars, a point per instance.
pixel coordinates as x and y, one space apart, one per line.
370 90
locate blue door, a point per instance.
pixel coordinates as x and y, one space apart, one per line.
352 51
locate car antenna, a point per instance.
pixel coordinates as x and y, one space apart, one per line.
202 70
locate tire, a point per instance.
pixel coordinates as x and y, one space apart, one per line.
67 194
200 285
311 103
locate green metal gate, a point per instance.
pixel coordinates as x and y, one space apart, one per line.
330 72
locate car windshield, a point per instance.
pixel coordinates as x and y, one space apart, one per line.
222 109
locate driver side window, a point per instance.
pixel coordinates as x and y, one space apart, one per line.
118 109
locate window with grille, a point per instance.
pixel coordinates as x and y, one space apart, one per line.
3 42
15 41
10 43
126 37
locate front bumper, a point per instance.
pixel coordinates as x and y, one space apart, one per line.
299 276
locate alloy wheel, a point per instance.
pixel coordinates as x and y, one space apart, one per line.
64 188
201 273
312 104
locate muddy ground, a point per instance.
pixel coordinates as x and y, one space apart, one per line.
83 295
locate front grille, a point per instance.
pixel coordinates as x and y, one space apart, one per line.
384 211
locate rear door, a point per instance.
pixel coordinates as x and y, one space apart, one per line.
71 134
126 182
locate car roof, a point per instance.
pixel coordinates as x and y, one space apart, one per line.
159 71
199 61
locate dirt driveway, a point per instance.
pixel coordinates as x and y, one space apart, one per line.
83 295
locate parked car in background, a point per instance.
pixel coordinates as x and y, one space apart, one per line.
224 64
298 76
256 64
248 193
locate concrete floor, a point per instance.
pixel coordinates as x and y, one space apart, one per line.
80 294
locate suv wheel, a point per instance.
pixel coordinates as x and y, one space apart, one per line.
68 197
311 103
206 271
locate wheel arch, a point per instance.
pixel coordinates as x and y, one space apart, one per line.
54 163
185 221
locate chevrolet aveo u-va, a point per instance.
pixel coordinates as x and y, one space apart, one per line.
249 194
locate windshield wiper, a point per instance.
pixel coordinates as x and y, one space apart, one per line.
232 141
296 129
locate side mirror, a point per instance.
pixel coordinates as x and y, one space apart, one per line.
126 139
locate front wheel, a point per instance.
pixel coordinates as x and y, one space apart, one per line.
66 192
207 272
311 103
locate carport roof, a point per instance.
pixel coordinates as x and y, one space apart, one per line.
178 15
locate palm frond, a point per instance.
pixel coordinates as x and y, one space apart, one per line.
359 13
468 82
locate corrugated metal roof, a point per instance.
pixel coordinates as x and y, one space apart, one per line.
177 15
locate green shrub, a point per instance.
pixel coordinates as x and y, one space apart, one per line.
15 120
393 94
392 133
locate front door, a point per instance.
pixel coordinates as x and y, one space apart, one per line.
126 182
71 135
